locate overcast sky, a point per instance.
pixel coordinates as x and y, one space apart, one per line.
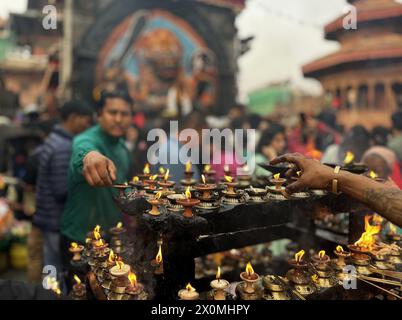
288 33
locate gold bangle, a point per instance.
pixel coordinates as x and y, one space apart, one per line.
335 181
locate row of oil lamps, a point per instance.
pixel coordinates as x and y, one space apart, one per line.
158 190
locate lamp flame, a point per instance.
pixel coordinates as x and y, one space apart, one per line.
298 173
249 269
276 176
119 264
161 170
207 168
189 287
158 195
159 255
373 175
339 249
188 166
188 193
228 178
299 255
146 169
203 179
218 273
135 179
112 256
367 239
77 280
119 225
349 157
153 177
377 219
166 177
74 245
321 254
132 278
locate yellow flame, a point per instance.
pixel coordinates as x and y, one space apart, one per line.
166 177
298 173
158 195
207 168
88 240
74 245
349 158
188 193
367 239
119 225
97 235
373 175
339 249
392 229
99 243
203 179
77 280
146 169
135 179
228 178
188 166
299 255
314 278
189 287
132 278
321 254
153 177
377 219
119 264
218 273
112 256
161 170
276 176
159 255
249 269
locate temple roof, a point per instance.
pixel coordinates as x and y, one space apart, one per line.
367 11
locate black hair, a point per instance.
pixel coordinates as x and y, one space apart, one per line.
380 135
254 120
120 94
357 140
268 135
78 107
396 119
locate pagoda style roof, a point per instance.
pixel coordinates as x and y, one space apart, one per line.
366 13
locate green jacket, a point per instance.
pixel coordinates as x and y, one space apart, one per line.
88 206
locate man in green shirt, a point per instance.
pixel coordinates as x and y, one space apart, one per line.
99 159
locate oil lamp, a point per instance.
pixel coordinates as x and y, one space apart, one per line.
189 293
151 183
340 263
79 291
173 205
230 184
205 193
134 289
157 263
117 233
110 263
188 203
100 250
298 276
188 173
76 250
120 281
277 181
244 177
154 202
162 173
210 174
122 189
136 183
256 194
166 184
274 289
88 247
323 270
219 286
250 278
146 173
232 196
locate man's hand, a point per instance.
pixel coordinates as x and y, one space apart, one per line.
314 175
98 170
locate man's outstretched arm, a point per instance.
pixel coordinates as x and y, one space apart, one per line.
383 199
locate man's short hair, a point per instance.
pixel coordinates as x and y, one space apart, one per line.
77 107
397 120
113 95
